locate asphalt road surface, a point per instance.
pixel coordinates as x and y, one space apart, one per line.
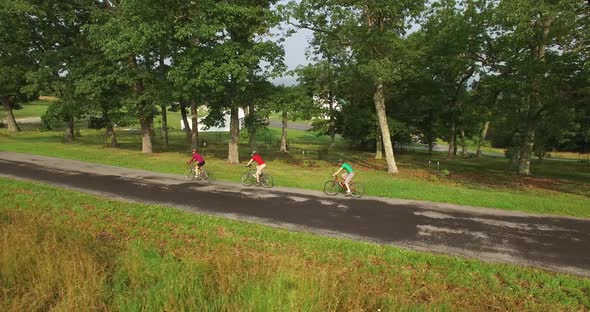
555 243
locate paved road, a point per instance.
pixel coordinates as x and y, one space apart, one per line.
290 125
555 243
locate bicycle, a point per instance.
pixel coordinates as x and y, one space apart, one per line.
204 175
336 185
249 178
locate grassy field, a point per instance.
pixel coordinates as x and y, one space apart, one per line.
66 251
32 109
472 146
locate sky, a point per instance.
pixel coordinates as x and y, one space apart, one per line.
295 47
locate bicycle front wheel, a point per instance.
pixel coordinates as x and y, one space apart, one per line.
357 190
189 172
267 181
331 187
247 179
207 176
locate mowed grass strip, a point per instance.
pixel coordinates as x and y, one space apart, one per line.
68 251
559 188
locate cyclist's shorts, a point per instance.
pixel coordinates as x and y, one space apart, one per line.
349 177
201 164
260 168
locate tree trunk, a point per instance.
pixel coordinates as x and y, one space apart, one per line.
252 127
145 116
379 100
195 123
110 135
284 135
332 126
455 144
450 153
10 120
164 130
430 147
187 127
463 151
379 146
69 132
484 133
146 141
234 136
524 161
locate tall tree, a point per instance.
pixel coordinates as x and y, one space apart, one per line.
238 55
534 39
138 34
373 31
16 56
291 103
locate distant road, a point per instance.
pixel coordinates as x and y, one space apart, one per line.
290 125
28 120
552 242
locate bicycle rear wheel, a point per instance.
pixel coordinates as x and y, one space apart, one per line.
207 176
266 181
189 172
357 190
331 187
247 179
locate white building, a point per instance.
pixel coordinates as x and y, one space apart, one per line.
225 128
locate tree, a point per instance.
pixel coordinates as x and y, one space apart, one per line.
373 32
236 59
16 59
534 42
138 34
59 50
453 35
292 103
100 86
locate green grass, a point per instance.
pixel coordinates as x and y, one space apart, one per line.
472 146
62 250
560 188
32 109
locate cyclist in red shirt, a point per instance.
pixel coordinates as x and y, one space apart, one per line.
259 168
198 159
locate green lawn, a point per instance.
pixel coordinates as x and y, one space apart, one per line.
67 251
32 109
472 146
557 188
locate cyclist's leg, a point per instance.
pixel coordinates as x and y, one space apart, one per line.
259 172
347 181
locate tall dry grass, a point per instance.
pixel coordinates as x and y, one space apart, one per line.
65 251
42 269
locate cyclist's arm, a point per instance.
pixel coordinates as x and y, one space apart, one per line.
337 172
248 164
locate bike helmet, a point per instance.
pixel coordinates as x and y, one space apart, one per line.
253 152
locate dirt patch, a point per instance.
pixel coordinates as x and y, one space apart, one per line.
521 183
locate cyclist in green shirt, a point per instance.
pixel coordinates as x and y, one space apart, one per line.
346 176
